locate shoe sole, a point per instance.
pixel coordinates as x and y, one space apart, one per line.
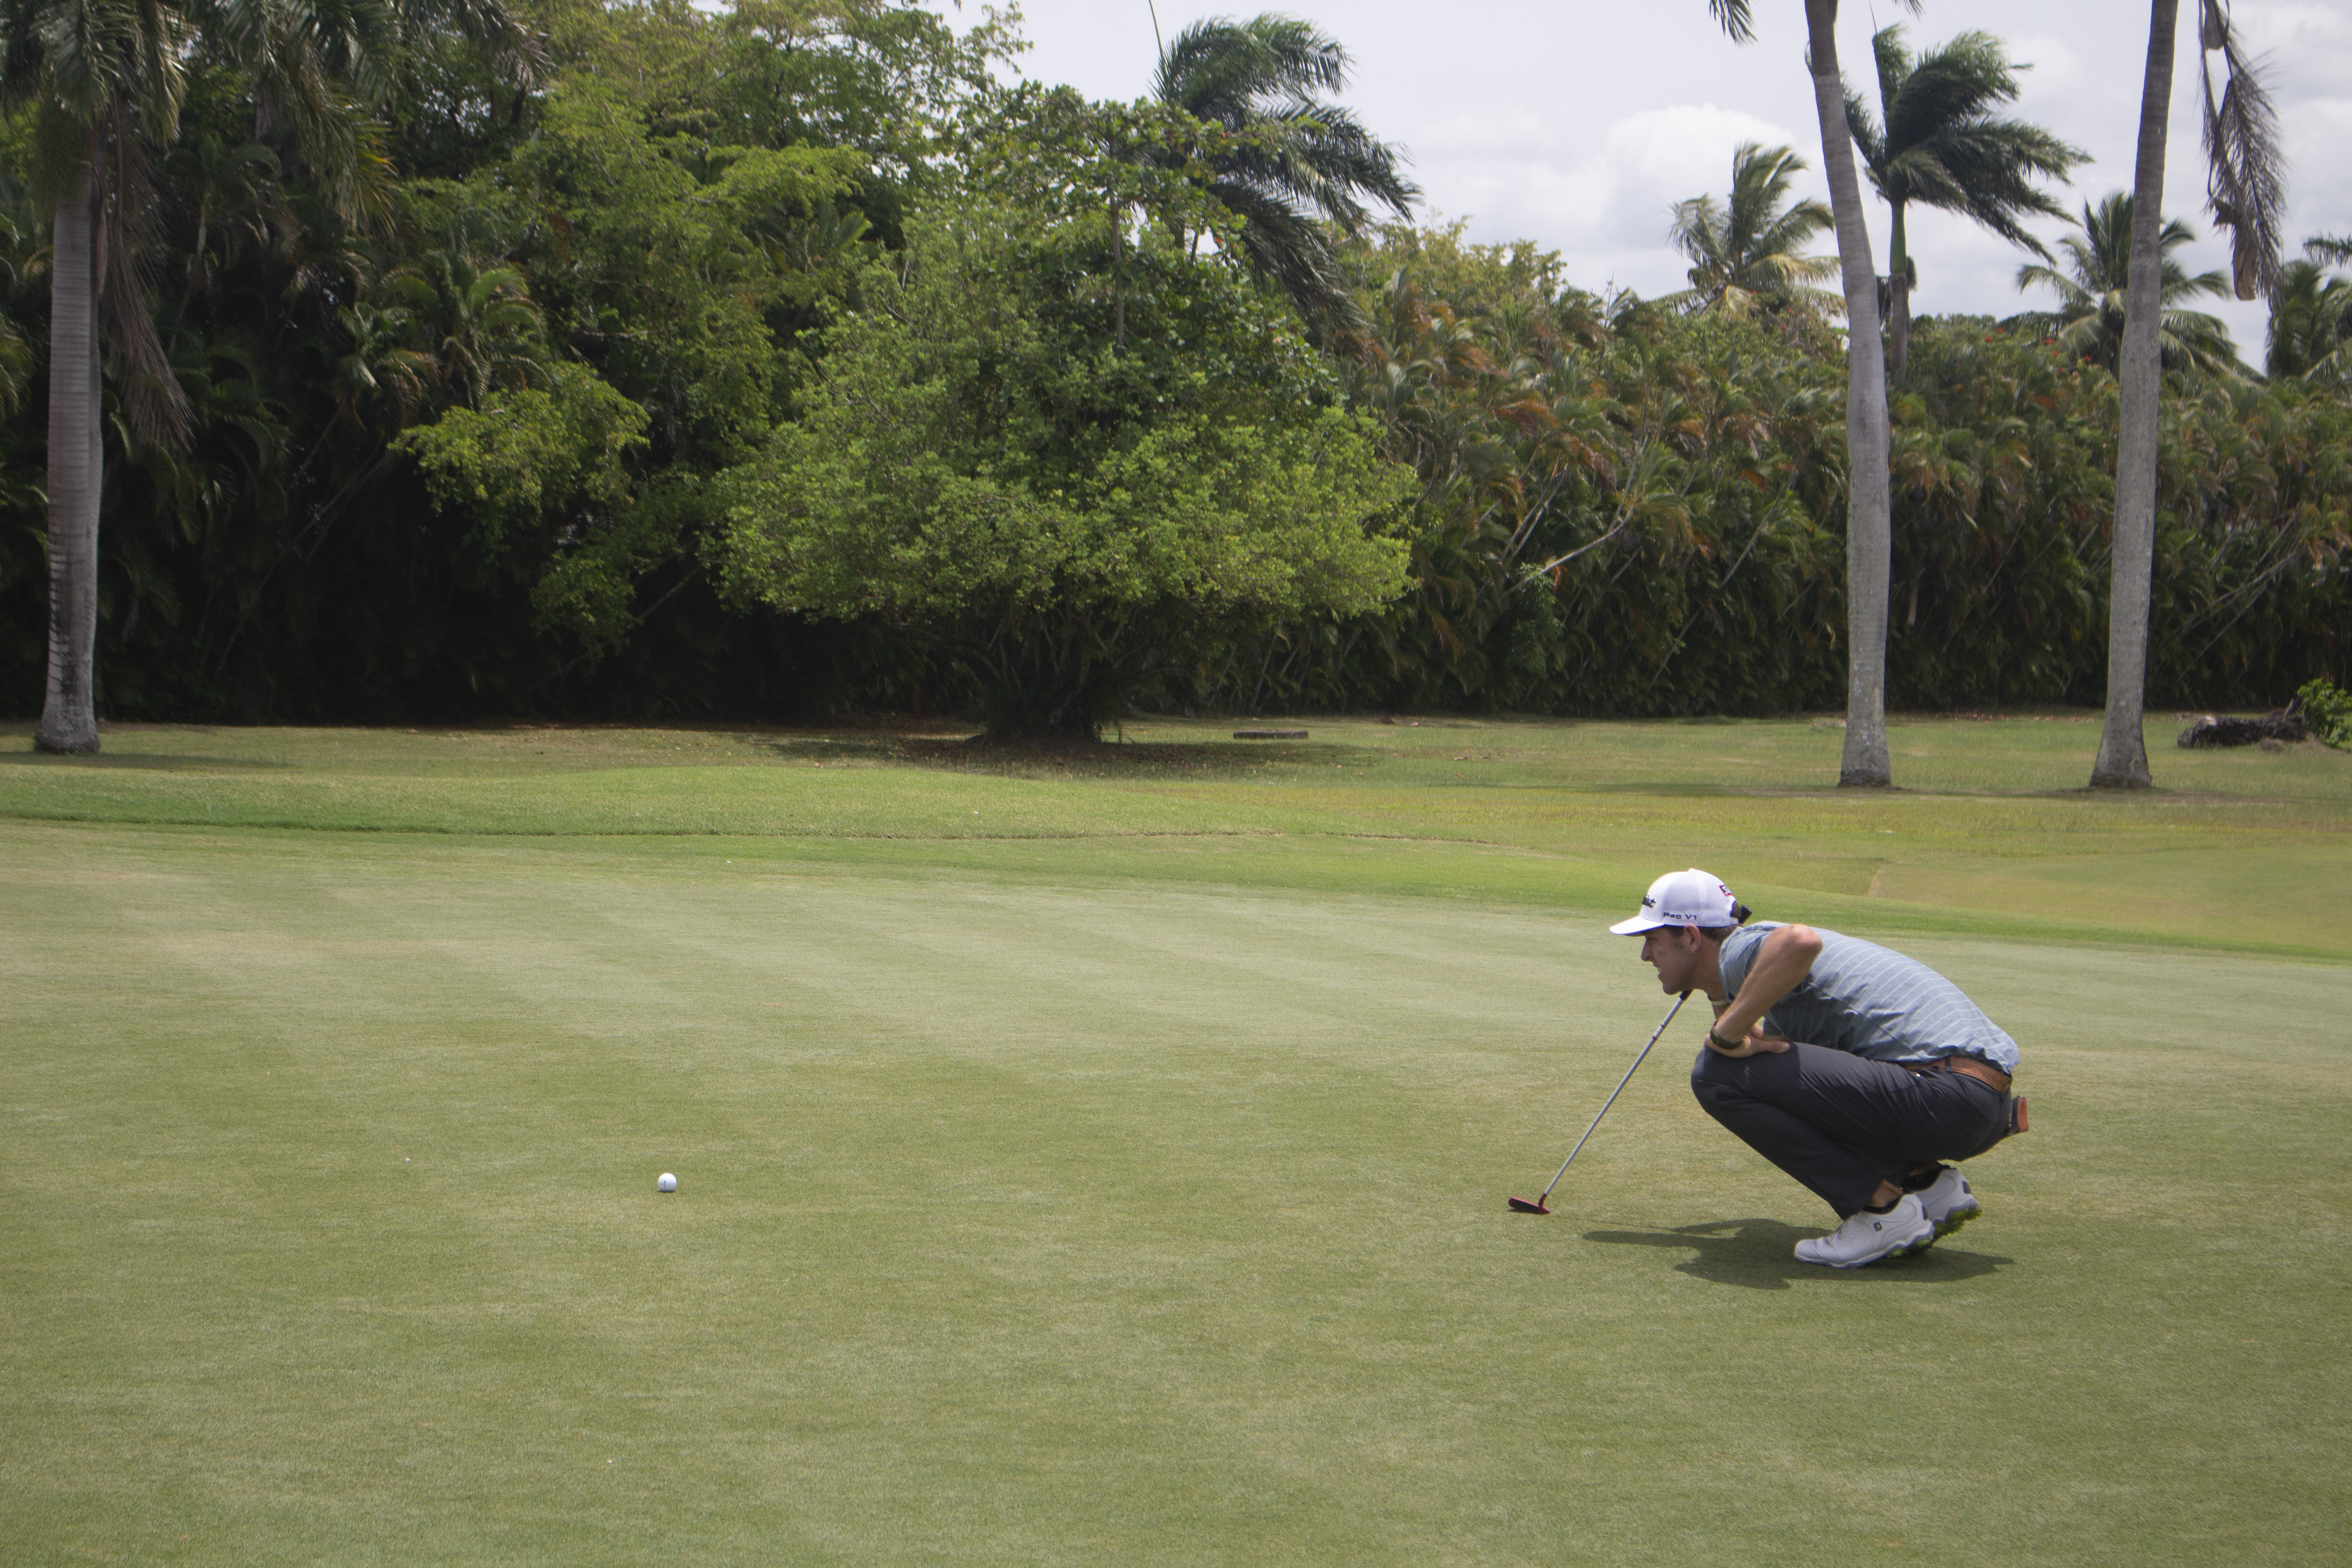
1956 1218
1900 1249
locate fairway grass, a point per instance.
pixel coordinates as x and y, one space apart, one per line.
2239 850
1120 1180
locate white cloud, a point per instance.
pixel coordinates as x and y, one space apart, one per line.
1607 207
2320 186
1576 125
2297 28
1664 155
2056 67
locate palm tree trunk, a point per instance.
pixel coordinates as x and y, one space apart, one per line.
69 712
2123 749
1868 545
1898 296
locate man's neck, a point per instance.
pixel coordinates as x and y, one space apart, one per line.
1710 973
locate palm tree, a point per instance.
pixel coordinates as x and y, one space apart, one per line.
480 327
1745 253
2089 319
21 253
2311 325
1869 547
238 198
1942 145
1305 160
2246 192
380 373
103 81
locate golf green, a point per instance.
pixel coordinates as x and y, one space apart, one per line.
1117 1175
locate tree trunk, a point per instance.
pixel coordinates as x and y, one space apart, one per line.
69 712
2123 749
1898 296
1868 545
1898 323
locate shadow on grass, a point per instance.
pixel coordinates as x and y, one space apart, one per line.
1758 1254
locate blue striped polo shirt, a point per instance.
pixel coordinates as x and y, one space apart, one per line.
1874 1002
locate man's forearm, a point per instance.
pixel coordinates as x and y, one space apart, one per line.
1781 965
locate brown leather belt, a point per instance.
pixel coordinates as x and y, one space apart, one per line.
1968 1067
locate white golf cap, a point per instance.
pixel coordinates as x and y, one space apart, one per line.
1692 898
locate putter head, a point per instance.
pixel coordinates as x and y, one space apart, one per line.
1521 1205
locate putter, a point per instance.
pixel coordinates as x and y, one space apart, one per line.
1521 1205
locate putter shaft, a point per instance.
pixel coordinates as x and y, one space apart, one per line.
1613 1093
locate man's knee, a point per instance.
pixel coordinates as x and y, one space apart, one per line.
1711 1083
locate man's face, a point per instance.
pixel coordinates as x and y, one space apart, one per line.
1675 953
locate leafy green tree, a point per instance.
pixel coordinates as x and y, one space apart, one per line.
477 324
663 259
105 80
982 460
1937 139
883 79
457 407
664 265
237 191
287 560
1609 500
1591 490
17 255
2093 290
1295 161
1441 263
1747 252
379 379
554 452
2328 711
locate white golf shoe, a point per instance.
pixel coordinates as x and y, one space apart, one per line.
1866 1238
1948 1202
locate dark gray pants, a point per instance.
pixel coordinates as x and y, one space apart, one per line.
1841 1123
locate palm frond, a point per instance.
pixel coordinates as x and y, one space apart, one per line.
2246 184
2311 325
1296 160
1222 70
1697 230
2089 319
1867 137
153 401
1960 82
1744 250
1943 146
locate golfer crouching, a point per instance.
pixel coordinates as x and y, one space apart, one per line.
1854 1068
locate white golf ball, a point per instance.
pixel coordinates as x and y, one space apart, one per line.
668 1184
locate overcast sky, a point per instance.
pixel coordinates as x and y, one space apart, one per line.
1578 123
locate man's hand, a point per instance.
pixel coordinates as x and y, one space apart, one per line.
1755 1042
